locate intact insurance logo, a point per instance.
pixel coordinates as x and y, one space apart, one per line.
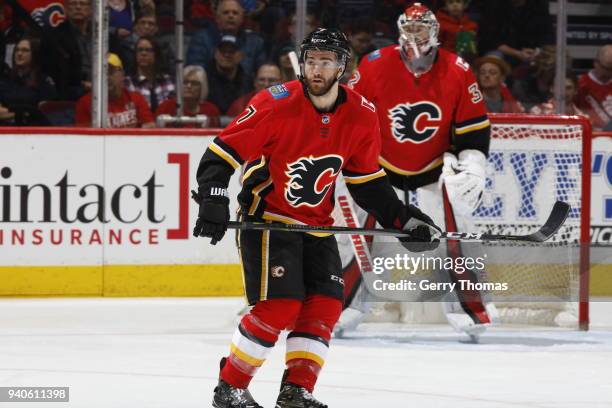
134 210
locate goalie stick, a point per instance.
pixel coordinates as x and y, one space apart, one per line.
359 300
555 220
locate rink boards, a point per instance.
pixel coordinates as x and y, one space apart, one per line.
88 213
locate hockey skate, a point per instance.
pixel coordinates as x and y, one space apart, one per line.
227 396
294 396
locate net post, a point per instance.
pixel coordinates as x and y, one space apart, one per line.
585 225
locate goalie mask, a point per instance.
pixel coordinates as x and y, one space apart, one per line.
324 39
418 29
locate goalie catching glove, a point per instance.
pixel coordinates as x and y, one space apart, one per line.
464 180
213 217
423 232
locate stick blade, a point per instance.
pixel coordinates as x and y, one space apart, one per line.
555 220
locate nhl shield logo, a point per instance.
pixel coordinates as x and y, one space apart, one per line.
277 271
325 119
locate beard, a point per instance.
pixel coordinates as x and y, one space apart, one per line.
319 88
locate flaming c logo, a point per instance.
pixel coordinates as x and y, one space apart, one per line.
417 122
310 179
51 15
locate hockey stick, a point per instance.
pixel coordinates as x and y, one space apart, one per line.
555 220
358 242
295 64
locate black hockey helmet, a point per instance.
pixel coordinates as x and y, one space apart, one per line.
328 39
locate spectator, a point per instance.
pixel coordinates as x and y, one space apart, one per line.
200 13
149 79
59 51
267 75
514 27
491 72
227 78
289 37
10 33
6 116
571 90
270 21
125 109
145 25
535 88
457 31
360 36
120 17
229 17
254 10
595 89
26 86
79 14
284 63
195 92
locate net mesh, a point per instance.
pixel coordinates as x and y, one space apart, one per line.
531 167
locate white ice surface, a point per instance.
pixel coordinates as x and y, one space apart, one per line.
148 353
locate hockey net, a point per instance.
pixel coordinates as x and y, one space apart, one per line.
533 162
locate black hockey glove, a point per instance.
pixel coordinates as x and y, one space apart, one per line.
422 231
213 216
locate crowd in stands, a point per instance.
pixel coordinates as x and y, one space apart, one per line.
235 48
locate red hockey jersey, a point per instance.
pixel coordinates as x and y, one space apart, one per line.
595 98
419 117
293 153
46 13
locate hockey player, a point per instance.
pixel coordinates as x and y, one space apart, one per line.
434 128
294 140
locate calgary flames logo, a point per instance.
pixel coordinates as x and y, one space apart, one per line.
310 179
52 15
417 122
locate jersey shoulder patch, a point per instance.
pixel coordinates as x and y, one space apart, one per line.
279 91
374 55
461 63
354 79
367 104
